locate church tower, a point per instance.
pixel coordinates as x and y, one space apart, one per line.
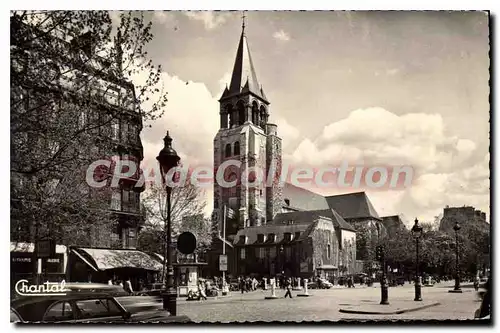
246 147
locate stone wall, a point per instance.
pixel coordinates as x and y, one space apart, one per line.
324 237
274 193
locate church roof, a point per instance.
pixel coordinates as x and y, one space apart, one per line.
338 221
306 217
278 230
393 221
303 199
353 205
244 78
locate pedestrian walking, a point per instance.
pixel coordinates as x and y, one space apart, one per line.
288 286
201 292
242 285
476 283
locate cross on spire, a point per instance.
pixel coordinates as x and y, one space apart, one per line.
243 21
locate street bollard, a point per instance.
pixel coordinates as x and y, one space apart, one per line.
305 293
265 284
273 292
298 285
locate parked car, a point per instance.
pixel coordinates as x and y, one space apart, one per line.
86 303
319 284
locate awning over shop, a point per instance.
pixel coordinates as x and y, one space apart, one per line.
111 259
159 257
30 247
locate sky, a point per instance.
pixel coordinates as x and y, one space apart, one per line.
370 88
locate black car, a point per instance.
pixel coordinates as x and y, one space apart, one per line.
87 303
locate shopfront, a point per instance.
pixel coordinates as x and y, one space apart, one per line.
22 265
100 265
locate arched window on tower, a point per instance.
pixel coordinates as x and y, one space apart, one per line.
228 150
236 148
263 116
230 114
255 114
241 112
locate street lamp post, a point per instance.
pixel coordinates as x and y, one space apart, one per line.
169 159
384 288
457 288
417 233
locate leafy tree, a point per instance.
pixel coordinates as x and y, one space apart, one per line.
74 74
187 207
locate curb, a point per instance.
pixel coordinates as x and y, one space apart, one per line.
389 313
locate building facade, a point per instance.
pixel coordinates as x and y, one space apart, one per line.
465 216
102 105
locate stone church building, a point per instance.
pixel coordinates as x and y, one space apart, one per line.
275 228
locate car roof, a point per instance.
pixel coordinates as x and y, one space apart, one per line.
70 295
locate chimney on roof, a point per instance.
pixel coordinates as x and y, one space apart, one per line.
483 216
287 202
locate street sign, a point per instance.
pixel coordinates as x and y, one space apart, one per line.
223 262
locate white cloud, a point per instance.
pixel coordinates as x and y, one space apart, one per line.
447 171
392 71
163 17
210 19
281 35
288 133
191 117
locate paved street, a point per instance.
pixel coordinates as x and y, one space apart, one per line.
325 305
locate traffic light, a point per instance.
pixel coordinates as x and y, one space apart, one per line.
379 253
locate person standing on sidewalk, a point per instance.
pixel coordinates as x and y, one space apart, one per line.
288 286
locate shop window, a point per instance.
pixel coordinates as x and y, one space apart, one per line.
242 253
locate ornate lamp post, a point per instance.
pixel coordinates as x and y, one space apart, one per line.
457 288
384 288
169 159
417 233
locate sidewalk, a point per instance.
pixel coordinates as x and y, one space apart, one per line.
395 307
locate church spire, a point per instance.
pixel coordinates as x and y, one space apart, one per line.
243 23
244 78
